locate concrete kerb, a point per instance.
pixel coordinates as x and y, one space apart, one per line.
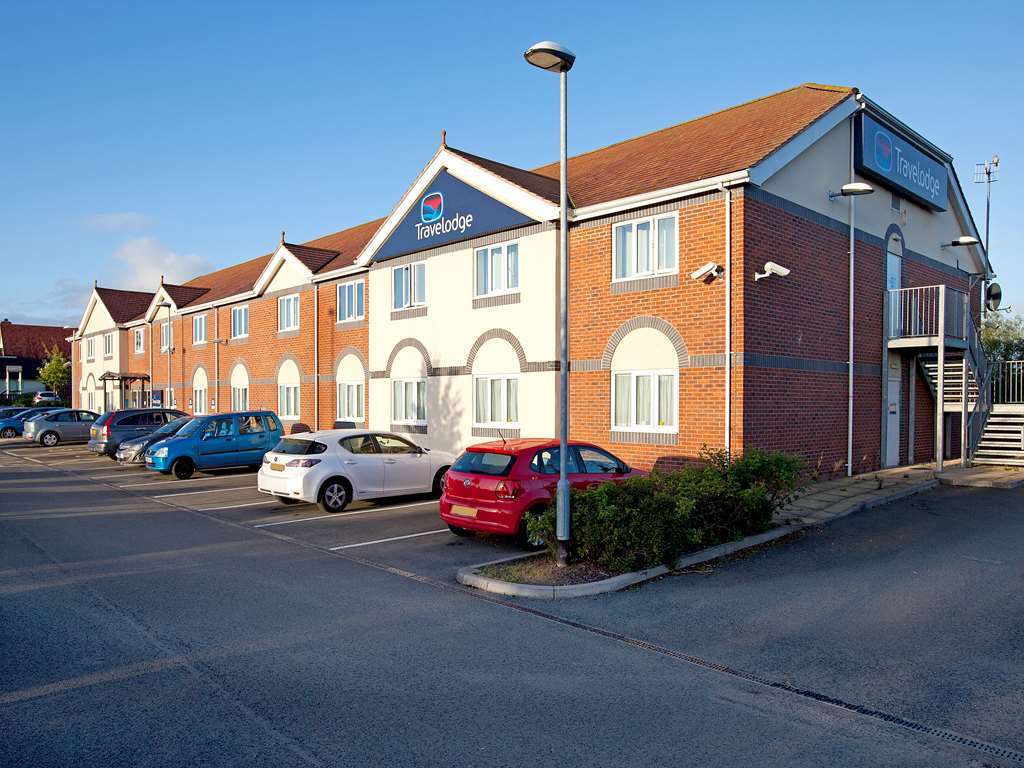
469 576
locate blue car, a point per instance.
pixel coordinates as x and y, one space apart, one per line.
213 442
14 425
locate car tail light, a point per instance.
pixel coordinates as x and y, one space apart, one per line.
106 431
304 463
265 459
507 489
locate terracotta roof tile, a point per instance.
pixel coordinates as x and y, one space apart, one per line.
124 306
30 342
183 295
540 185
730 140
347 243
238 278
315 259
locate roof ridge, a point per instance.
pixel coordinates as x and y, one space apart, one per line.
463 152
812 86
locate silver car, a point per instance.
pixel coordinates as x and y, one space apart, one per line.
66 425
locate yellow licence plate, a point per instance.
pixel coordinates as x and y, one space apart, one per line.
277 467
92 431
463 511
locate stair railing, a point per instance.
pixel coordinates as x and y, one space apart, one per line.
1008 382
975 416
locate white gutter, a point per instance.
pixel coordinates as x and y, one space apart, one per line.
316 358
660 195
352 269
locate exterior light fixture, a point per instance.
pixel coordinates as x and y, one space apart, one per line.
549 55
962 241
852 189
708 272
771 268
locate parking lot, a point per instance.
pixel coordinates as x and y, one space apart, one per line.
403 532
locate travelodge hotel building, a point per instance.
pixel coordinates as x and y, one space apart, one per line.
710 280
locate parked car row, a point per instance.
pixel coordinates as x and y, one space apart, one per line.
490 488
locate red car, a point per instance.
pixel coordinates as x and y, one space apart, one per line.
493 486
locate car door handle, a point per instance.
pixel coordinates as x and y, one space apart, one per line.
351 461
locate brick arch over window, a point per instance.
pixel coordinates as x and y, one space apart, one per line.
416 344
197 367
284 359
352 351
645 322
497 333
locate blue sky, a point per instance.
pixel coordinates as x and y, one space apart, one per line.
147 138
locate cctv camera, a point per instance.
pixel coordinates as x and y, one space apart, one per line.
771 268
708 270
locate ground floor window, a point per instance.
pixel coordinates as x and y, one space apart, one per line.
350 400
409 401
199 401
645 400
496 400
239 398
288 401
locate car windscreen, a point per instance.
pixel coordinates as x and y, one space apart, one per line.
172 427
292 447
190 428
484 463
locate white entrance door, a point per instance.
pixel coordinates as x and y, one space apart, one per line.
894 281
894 389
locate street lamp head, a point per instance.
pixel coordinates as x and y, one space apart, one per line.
852 189
963 240
551 56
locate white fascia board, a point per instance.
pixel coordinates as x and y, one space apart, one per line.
193 308
159 297
281 255
89 306
800 143
660 195
350 270
502 190
963 212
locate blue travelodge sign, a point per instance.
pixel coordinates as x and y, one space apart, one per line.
884 154
449 211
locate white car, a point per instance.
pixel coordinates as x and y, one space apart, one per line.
335 466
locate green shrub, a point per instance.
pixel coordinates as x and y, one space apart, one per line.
647 521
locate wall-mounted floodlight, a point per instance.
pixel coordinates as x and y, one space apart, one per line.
771 268
962 241
852 189
708 272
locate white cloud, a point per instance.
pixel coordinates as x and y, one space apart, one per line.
64 304
118 221
145 259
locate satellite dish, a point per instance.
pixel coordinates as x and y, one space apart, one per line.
993 297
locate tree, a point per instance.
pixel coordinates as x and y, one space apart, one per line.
55 372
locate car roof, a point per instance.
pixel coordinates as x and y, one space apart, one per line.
521 444
327 434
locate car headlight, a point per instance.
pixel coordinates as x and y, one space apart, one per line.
159 453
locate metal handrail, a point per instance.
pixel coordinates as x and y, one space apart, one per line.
1008 382
916 311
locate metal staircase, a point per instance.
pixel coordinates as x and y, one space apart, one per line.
1002 441
952 381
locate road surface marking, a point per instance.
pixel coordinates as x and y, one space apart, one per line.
384 541
343 514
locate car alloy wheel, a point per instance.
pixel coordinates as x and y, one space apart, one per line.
50 439
8 432
334 496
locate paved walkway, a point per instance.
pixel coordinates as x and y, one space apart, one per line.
827 500
983 476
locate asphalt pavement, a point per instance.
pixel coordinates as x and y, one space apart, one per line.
149 621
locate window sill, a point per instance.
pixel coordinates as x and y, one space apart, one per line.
646 282
496 300
198 345
290 333
409 429
509 433
108 357
238 340
346 325
643 437
408 312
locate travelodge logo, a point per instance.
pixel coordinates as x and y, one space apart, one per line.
432 221
431 207
883 151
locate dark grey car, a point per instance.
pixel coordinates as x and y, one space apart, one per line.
65 425
114 427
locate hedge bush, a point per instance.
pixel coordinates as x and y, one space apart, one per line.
653 520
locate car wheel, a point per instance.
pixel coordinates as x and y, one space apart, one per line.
439 481
8 432
523 535
334 496
49 439
183 468
459 531
285 500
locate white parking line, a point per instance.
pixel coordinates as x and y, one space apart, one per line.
175 482
193 493
384 541
342 514
122 475
230 506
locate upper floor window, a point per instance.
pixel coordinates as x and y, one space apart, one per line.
410 285
497 269
645 247
644 400
199 329
108 345
288 313
166 336
350 301
139 337
90 348
239 322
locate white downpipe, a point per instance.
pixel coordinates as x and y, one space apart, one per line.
316 358
727 199
849 386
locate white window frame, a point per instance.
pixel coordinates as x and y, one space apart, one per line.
108 345
166 335
139 337
652 246
343 390
404 418
285 320
199 402
243 310
197 321
490 421
494 287
408 286
90 349
358 300
239 398
285 402
632 425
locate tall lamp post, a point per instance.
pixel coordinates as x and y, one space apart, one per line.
166 305
555 57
